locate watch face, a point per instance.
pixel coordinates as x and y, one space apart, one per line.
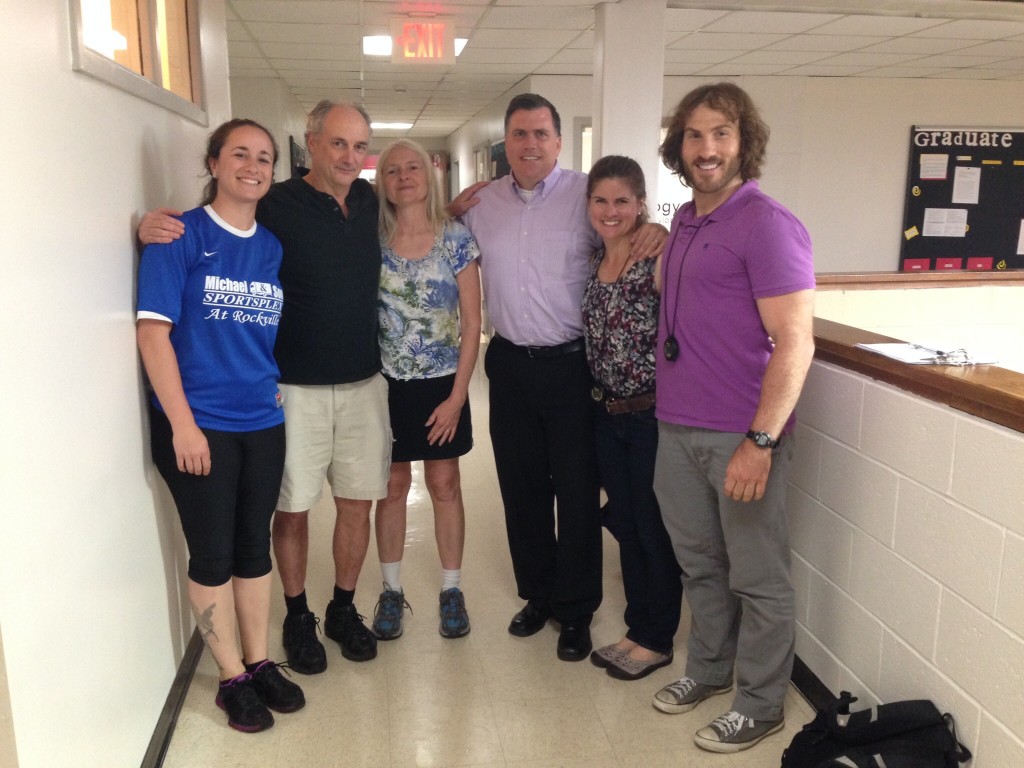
762 440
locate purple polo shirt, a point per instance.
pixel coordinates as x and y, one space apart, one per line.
714 270
535 256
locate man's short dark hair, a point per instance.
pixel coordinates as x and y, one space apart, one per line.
734 103
533 101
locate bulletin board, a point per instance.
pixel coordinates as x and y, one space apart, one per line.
964 206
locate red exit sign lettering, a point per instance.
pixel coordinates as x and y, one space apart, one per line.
422 42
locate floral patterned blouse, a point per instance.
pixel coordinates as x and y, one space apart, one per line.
418 307
620 324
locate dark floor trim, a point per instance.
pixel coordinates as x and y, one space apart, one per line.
175 699
810 687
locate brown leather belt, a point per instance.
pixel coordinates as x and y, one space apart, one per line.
568 348
619 405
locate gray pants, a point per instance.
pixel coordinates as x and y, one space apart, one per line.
735 561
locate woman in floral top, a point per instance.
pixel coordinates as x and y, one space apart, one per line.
429 338
620 317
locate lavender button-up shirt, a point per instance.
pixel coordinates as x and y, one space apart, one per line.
534 256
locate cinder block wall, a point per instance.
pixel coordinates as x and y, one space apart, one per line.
907 526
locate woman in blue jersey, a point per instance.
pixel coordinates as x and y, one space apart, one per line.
620 319
429 338
208 310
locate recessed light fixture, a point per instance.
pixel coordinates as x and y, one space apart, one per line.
377 45
391 126
380 45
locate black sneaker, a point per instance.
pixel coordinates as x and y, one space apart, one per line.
344 625
277 693
246 713
305 653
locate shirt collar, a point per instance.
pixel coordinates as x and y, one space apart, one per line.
730 207
544 186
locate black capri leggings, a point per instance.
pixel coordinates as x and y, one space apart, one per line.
225 515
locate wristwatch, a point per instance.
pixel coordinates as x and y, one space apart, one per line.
762 439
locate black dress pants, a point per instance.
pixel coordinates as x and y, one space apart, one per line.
542 433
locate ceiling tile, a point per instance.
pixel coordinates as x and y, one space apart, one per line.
719 41
833 43
690 20
882 25
975 29
825 70
314 46
545 17
761 21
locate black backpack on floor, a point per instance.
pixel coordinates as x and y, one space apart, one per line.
904 734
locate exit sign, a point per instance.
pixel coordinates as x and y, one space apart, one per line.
422 42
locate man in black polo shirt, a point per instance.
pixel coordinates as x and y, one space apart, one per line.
335 400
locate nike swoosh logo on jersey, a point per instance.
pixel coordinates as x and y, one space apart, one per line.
208 254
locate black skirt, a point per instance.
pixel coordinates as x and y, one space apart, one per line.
410 404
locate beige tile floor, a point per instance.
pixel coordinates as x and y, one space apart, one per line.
486 700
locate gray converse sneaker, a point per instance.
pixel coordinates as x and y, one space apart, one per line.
685 694
733 732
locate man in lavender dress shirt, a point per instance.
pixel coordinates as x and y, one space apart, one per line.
536 242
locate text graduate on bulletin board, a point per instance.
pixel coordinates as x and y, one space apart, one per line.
965 200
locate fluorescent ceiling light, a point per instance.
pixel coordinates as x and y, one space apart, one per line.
380 45
377 45
391 126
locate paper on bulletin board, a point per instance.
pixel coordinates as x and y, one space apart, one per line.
1020 240
945 222
933 166
966 185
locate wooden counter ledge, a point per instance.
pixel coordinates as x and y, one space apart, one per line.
986 391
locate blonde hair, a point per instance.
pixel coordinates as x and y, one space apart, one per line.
436 213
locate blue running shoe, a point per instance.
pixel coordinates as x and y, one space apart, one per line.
387 616
454 619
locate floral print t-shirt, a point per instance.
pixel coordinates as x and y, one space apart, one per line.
620 324
418 307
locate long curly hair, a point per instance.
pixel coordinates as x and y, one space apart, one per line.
734 103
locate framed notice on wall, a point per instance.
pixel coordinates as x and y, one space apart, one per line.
964 204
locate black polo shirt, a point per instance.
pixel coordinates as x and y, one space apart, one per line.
330 274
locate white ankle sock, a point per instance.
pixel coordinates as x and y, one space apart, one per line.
451 579
391 573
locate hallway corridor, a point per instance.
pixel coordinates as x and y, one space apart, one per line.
487 700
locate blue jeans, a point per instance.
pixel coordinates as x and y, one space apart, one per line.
627 445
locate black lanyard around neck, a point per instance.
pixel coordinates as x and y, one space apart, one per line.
671 346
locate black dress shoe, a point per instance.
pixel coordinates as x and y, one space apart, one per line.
574 642
529 621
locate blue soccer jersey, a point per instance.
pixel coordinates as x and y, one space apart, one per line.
219 288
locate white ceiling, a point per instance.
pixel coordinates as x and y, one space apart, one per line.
315 47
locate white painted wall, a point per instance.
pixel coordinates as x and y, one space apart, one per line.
838 151
907 526
91 561
269 102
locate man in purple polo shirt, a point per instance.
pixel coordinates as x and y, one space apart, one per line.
535 243
734 345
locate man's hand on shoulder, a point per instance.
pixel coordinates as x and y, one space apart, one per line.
466 199
160 226
648 241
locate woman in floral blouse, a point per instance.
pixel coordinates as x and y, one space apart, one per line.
620 316
429 338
